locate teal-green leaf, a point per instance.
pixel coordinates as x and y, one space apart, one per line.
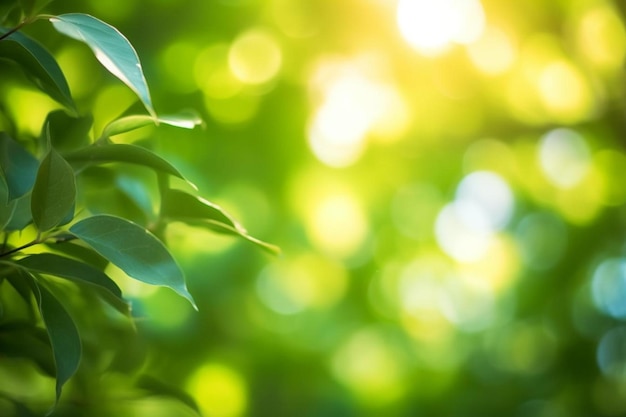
185 120
21 216
76 271
102 154
134 250
178 205
38 65
7 208
111 48
54 192
64 337
18 165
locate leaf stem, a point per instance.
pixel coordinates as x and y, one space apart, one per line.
19 248
15 29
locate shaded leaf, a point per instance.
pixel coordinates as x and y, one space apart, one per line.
181 206
63 334
77 251
21 214
54 192
18 281
6 208
24 339
102 154
38 65
18 165
134 250
67 132
185 120
59 266
111 48
157 387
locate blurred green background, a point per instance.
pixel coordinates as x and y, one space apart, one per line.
445 180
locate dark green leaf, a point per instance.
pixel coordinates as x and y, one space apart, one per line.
186 120
180 206
18 280
18 165
51 264
64 337
76 250
111 48
133 249
21 214
102 154
54 192
67 132
25 340
38 65
6 208
157 387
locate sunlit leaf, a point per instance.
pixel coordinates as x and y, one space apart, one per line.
134 250
102 154
67 132
60 266
54 192
18 165
64 337
185 120
181 206
111 48
38 65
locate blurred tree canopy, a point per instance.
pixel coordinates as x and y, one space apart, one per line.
445 180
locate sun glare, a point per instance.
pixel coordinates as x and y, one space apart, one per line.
431 26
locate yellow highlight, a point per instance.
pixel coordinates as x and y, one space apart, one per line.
494 53
337 225
601 37
219 391
255 57
368 364
29 109
564 92
611 165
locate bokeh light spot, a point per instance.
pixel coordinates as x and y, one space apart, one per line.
494 53
601 37
219 391
565 92
611 353
462 231
431 26
609 287
491 193
255 57
564 157
212 74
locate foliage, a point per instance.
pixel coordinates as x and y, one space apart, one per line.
55 242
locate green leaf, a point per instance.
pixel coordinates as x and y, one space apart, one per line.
22 216
134 250
6 208
25 340
178 205
54 192
67 132
64 337
111 48
32 6
185 120
18 165
157 387
38 65
60 266
102 154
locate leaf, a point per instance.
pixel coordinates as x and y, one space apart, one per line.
181 206
79 272
157 387
6 208
64 337
134 250
24 339
186 120
32 6
54 192
132 154
111 48
18 165
38 65
22 216
67 132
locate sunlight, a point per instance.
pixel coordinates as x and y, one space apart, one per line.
431 26
219 390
